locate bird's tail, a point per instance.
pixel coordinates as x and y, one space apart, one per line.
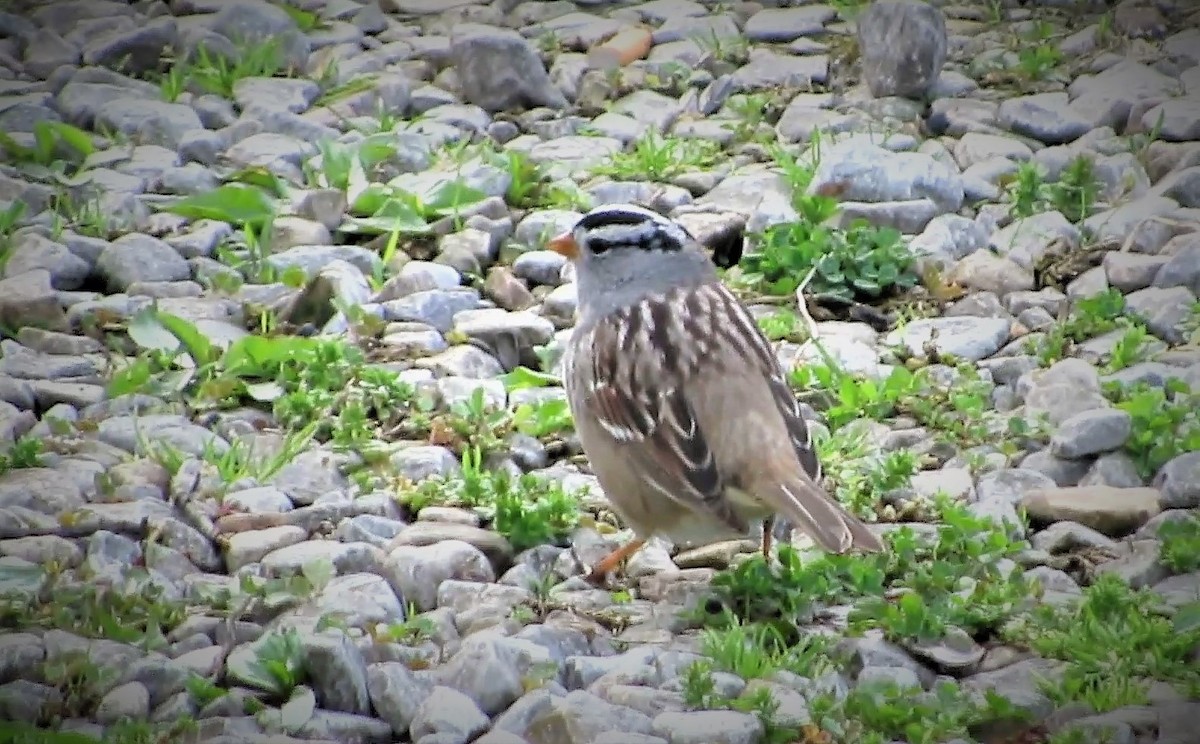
808 507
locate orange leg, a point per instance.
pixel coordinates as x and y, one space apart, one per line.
610 561
767 537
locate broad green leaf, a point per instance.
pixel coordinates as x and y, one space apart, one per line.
234 203
256 175
335 164
451 195
15 149
524 377
298 709
43 137
356 184
10 216
197 345
130 379
250 355
73 137
367 199
394 215
148 332
376 148
318 572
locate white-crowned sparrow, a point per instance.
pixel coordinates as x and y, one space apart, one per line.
679 401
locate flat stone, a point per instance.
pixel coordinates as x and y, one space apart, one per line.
1112 511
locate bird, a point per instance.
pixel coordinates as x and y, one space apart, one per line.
680 404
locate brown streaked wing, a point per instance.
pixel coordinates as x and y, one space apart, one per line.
637 396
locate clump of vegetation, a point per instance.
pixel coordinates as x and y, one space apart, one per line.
1088 317
1114 640
210 72
1165 422
25 452
1074 194
862 262
1037 57
135 613
961 577
1179 548
527 510
655 157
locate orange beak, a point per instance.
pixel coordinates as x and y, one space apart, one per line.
564 245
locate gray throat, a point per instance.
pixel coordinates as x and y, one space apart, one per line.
616 280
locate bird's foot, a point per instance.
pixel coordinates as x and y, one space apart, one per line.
598 575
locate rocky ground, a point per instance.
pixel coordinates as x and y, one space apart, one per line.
285 452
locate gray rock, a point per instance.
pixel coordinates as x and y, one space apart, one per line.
450 715
705 726
29 300
966 338
500 70
1179 482
1046 117
902 45
787 24
1164 310
140 258
1091 433
137 50
151 122
582 716
415 571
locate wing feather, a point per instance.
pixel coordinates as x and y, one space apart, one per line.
637 395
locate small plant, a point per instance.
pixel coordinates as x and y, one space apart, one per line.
862 262
209 72
278 664
204 691
474 423
81 682
239 461
531 187
658 158
1037 62
1163 426
1074 194
543 418
1114 640
731 49
413 630
1077 189
527 510
756 650
1129 349
56 145
1180 544
781 325
1027 189
755 113
1089 317
882 712
1036 58
26 452
136 613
